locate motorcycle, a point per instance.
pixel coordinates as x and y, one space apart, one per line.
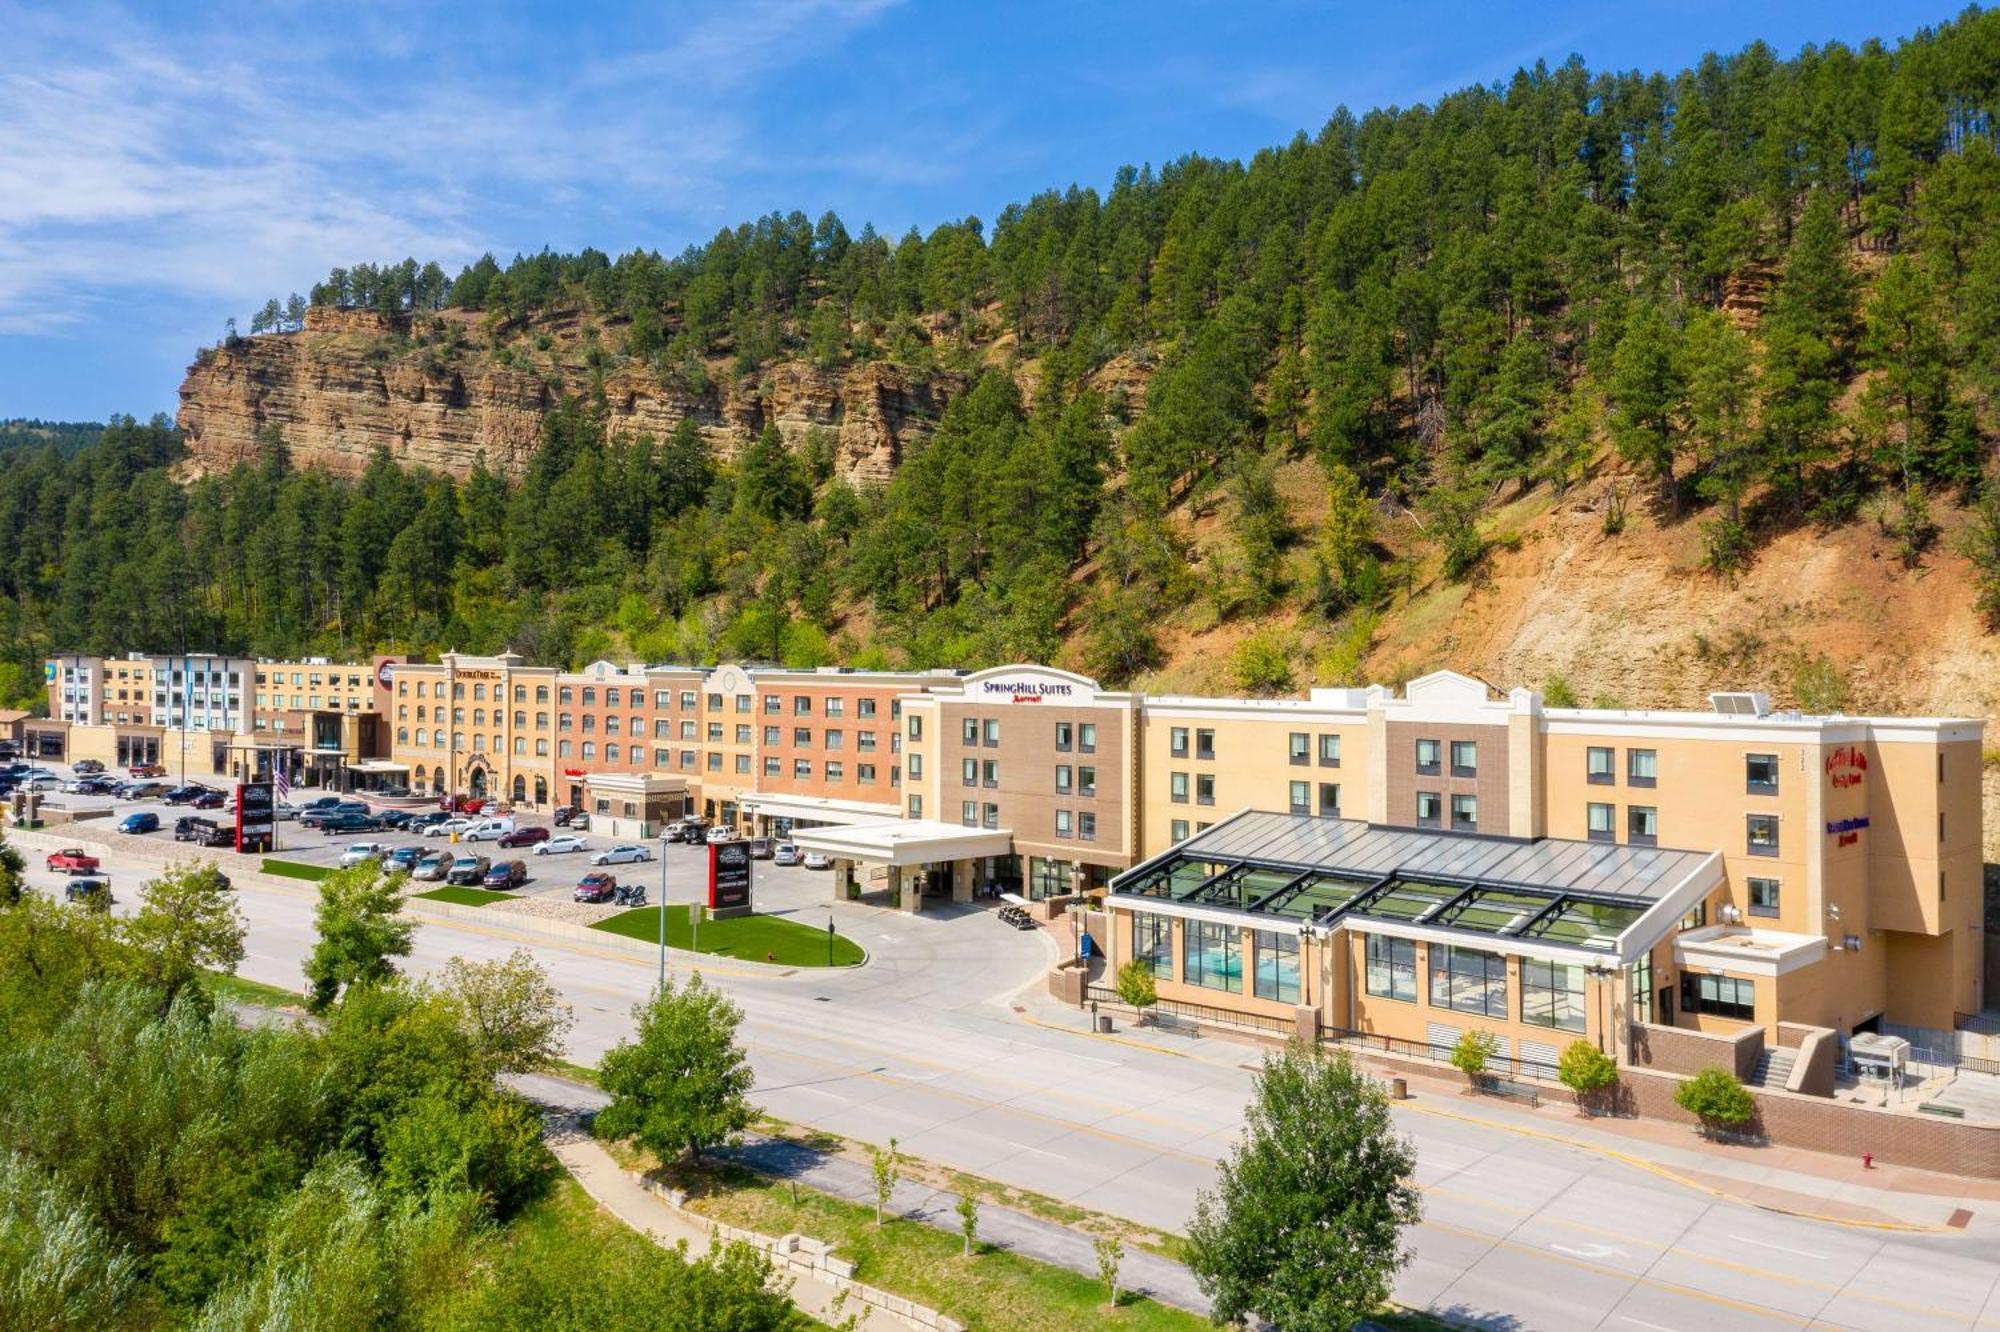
630 895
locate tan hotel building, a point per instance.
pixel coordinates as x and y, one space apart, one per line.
1409 866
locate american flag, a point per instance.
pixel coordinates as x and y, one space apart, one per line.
278 779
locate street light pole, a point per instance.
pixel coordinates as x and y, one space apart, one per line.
663 913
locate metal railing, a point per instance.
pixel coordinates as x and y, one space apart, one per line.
1179 1008
1497 1065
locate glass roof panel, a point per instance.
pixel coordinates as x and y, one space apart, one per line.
1320 893
1586 924
1408 901
1494 911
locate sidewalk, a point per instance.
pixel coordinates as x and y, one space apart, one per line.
1789 1179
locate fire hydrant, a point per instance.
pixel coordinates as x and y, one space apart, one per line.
1867 1160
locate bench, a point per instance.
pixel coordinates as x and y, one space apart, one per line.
1513 1091
1933 1108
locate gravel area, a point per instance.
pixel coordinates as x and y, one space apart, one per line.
558 908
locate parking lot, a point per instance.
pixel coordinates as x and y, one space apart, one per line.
779 889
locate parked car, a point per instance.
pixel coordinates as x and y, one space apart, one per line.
144 821
626 854
284 812
447 827
208 800
524 837
341 809
93 893
333 825
461 804
87 767
96 786
142 790
559 845
319 802
506 874
43 782
785 854
467 871
72 860
595 888
721 832
394 792
818 860
422 822
403 858
488 830
182 795
434 865
147 769
579 822
395 818
203 832
690 830
75 785
563 814
760 848
360 853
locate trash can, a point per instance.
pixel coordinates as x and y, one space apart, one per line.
1104 1022
1399 1090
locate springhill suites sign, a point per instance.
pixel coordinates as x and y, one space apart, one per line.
1026 691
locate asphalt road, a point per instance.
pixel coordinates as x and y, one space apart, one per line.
925 1044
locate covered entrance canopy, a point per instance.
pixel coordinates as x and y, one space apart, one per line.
905 843
1538 898
800 812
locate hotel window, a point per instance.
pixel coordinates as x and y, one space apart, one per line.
1179 830
541 747
1204 745
590 724
802 705
611 753
715 702
773 703
687 699
968 813
1392 968
773 736
541 693
836 708
864 707
1642 767
772 767
1429 757
1275 965
1642 825
1329 751
1601 822
1763 897
989 771
1064 733
1597 766
836 771
969 772
916 728
835 739
1760 774
1552 994
1086 782
687 730
916 806
1204 788
1212 955
1465 813
743 702
1301 797
611 697
969 730
479 691
1086 826
1430 809
1696 917
991 731
1062 823
802 737
521 721
1153 943
1177 787
1642 988
662 700
989 816
715 761
1464 758
520 744
742 734
589 696
916 765
1762 834
612 725
566 696
1724 996
802 768
1177 741
1329 800
589 749
1300 748
1063 786
865 741
1468 980
864 773
714 733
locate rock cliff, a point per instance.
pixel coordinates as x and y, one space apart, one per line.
442 394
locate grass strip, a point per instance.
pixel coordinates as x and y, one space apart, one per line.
751 938
292 869
463 896
237 989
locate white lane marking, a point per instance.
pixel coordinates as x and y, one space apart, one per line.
1023 1147
817 1091
1589 1251
1766 1244
1640 1322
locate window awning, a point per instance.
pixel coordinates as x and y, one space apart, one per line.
906 842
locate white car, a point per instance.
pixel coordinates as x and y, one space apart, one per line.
42 783
560 845
74 786
818 860
785 854
360 853
620 855
448 827
722 832
282 811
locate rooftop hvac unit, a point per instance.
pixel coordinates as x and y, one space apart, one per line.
1741 705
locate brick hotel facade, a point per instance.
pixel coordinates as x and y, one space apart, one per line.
1408 866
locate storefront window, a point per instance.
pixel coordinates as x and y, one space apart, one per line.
1212 956
1046 878
1552 994
1392 968
1277 960
1153 943
1468 980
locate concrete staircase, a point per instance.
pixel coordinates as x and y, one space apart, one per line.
1774 1068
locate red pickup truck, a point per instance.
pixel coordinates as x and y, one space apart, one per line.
73 861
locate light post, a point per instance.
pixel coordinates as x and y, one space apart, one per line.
1305 939
663 913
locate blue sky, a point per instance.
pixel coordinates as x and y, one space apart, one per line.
166 166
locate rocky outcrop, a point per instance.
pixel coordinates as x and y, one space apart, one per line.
351 383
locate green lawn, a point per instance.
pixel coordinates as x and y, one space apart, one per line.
463 896
292 869
242 991
993 1289
754 938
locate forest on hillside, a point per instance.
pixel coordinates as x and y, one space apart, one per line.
1766 289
